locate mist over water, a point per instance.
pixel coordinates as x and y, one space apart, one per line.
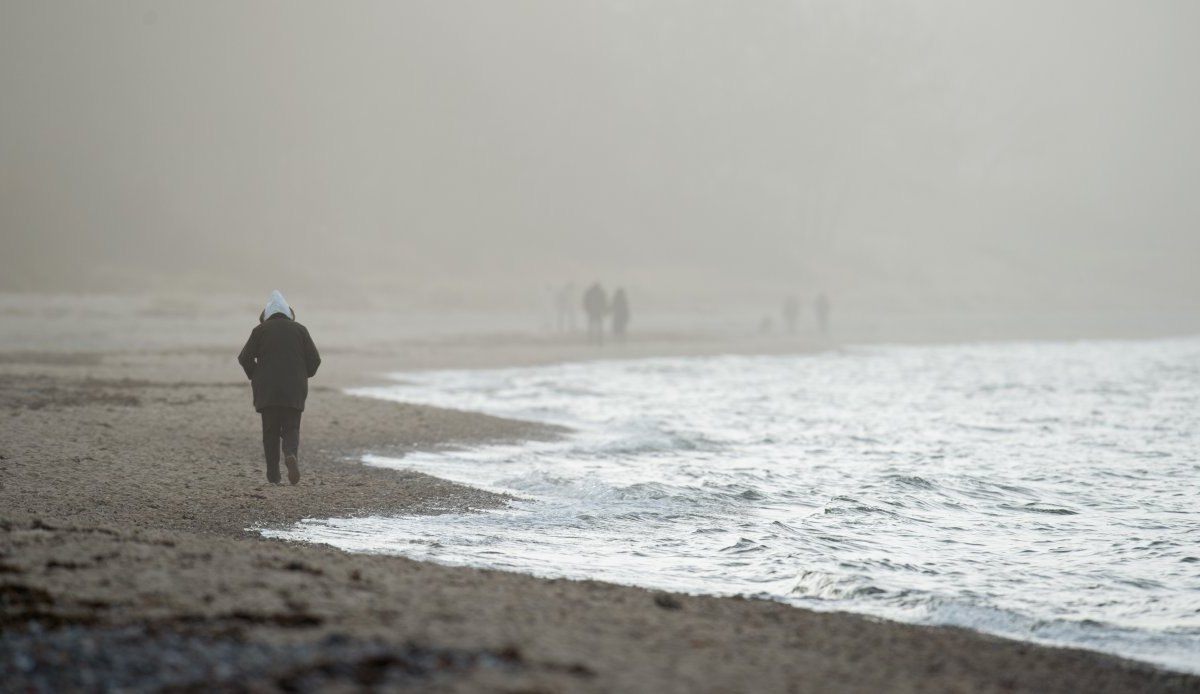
916 156
1041 491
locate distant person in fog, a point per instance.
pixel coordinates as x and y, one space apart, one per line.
279 358
620 315
565 306
595 305
822 309
791 313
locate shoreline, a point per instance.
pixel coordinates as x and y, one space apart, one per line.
127 490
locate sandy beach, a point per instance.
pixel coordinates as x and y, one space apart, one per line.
131 481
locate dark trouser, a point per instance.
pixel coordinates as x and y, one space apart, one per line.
279 423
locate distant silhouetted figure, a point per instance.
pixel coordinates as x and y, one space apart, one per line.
564 308
279 358
766 326
791 313
595 305
822 308
620 315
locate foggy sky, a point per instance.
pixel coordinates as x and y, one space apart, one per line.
911 152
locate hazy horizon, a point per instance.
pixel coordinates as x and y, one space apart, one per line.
922 154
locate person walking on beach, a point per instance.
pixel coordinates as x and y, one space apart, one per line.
564 305
595 305
279 358
620 315
791 313
822 310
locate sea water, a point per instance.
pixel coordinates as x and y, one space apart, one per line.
1042 491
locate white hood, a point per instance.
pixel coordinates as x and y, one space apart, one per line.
278 304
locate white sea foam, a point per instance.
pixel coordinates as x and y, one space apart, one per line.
1046 492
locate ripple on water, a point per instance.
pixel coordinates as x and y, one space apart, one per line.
1038 507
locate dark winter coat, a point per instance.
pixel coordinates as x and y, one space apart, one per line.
279 358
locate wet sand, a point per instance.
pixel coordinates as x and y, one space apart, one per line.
129 480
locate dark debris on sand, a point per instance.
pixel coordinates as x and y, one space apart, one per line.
178 657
